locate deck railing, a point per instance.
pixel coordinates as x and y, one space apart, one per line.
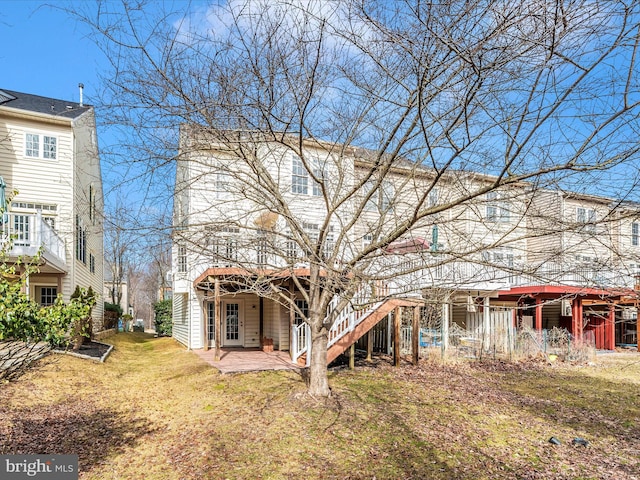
27 233
365 301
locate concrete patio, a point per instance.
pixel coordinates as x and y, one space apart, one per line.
242 360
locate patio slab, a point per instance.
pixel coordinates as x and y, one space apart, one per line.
242 360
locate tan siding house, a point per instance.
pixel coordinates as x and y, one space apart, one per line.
49 162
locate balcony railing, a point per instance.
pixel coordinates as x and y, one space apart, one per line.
449 273
27 233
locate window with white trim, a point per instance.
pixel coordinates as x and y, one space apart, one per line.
497 210
299 177
320 172
223 184
92 263
262 249
81 240
382 198
182 259
367 240
635 232
40 146
587 217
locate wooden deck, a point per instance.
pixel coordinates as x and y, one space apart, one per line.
242 360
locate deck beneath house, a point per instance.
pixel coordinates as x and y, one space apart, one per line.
243 360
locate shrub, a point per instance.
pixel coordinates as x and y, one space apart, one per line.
164 319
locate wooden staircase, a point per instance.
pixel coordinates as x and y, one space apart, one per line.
348 330
370 321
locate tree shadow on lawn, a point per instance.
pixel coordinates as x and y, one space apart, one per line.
93 434
597 406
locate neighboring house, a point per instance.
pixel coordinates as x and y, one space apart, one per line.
118 291
511 256
49 162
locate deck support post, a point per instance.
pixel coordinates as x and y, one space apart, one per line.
610 330
352 356
444 326
397 320
369 344
538 321
217 316
205 326
415 335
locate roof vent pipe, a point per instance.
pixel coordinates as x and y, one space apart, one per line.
81 86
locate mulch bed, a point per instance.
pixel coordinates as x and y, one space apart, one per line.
94 350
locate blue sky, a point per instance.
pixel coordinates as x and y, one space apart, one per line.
45 52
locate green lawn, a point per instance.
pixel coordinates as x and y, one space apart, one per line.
155 411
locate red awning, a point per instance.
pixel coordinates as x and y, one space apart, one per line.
412 245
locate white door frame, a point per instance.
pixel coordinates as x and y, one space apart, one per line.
233 342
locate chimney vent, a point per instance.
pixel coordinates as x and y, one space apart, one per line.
81 86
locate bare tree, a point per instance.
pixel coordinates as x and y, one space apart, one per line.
401 116
121 243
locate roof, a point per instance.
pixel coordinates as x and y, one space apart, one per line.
38 104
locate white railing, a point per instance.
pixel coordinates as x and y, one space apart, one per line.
364 303
27 233
301 342
443 272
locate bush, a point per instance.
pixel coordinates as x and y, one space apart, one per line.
164 318
112 307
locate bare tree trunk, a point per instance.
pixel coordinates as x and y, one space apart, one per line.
318 379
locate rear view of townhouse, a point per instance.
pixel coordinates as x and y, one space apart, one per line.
253 214
50 171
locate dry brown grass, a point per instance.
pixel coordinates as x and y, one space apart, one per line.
155 411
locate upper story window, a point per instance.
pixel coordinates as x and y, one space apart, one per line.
81 240
182 259
635 231
41 146
299 177
320 172
382 199
497 210
586 217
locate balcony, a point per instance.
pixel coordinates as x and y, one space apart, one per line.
27 233
445 272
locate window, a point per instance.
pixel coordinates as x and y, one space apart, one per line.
634 233
329 243
48 295
587 217
37 146
51 221
223 184
433 197
49 145
92 205
497 210
92 263
81 240
299 177
182 259
367 240
303 306
224 247
319 171
262 249
382 199
21 230
32 145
